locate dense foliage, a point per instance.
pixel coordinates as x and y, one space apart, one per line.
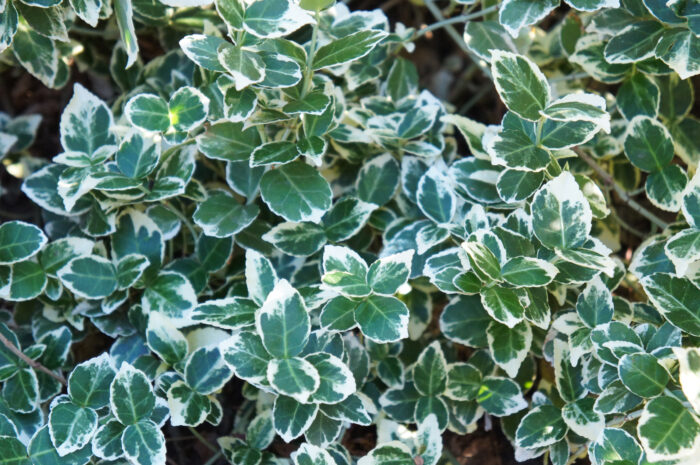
274 202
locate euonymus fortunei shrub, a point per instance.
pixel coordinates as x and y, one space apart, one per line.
272 202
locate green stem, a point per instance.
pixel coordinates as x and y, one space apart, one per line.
214 458
309 72
456 37
204 441
454 20
184 219
608 179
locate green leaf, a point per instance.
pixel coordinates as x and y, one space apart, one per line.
516 14
28 281
130 395
272 153
483 36
187 108
144 443
296 192
292 418
138 155
260 276
21 391
149 112
514 147
42 451
595 305
86 126
124 14
464 320
561 215
680 50
202 49
71 427
667 430
503 304
377 180
430 371
689 374
299 239
388 274
675 298
382 319
205 370
665 188
313 103
308 454
107 442
582 418
435 197
165 340
346 49
509 346
227 313
643 375
172 295
274 18
283 321
245 352
580 107
638 96
463 381
293 377
234 219
243 65
337 382
392 453
520 84
19 241
648 144
345 271
541 427
13 451
528 272
345 218
634 43
351 409
88 384
500 396
229 142
484 263
91 277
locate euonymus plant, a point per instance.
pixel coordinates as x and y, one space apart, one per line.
272 202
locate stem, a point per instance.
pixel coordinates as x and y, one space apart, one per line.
435 11
608 179
184 219
214 458
309 74
32 363
454 20
204 441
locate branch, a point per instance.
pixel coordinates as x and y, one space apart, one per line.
32 363
435 11
455 20
608 179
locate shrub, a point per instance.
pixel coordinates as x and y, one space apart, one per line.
274 200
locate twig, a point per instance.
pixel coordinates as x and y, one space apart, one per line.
214 458
203 440
32 363
608 179
452 32
455 20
